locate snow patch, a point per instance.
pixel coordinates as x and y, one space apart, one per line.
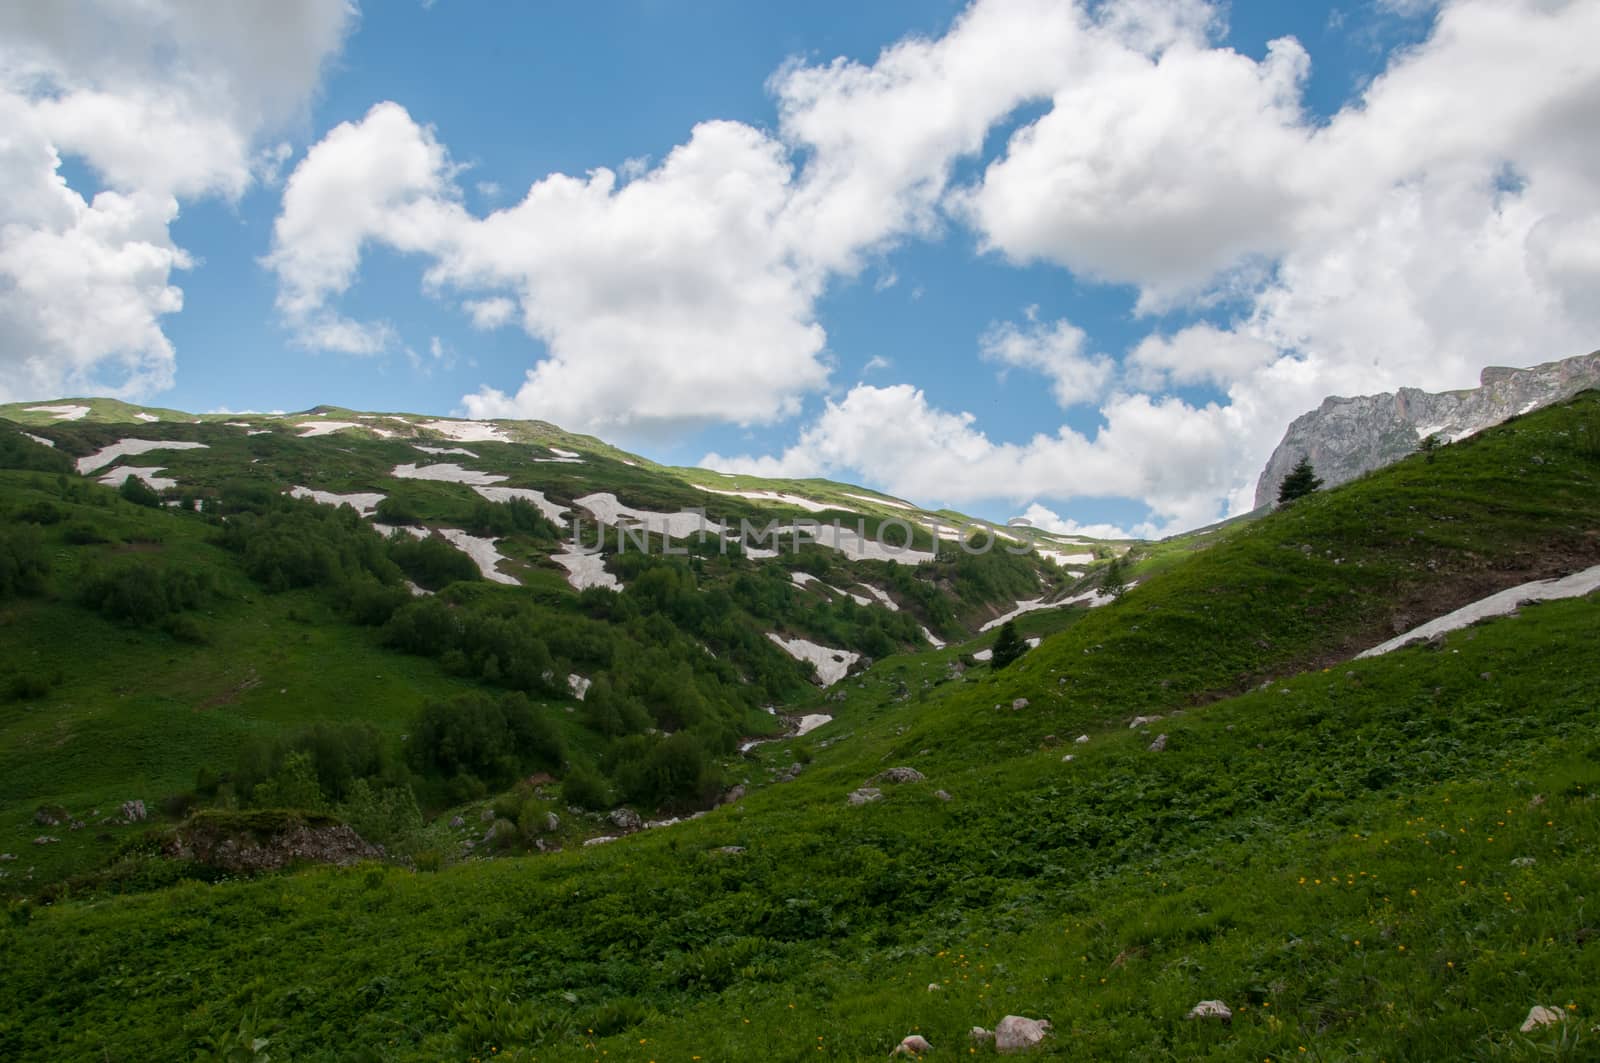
1022 607
1065 559
810 505
481 551
116 476
881 501
127 448
579 685
311 429
882 596
410 529
63 413
586 569
41 440
607 509
569 454
146 417
468 431
527 494
364 503
443 450
446 473
810 722
832 665
1502 604
934 640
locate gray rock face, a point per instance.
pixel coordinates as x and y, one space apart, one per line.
626 819
899 775
1345 438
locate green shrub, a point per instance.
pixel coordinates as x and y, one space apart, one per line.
491 739
142 593
139 493
585 788
24 564
432 562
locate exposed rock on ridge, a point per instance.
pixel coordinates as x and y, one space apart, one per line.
1345 438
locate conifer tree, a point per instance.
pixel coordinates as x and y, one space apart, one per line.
1301 481
1008 646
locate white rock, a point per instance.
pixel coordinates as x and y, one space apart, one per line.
1068 759
1018 704
915 1045
1081 740
1159 744
865 795
1140 721
1015 1033
978 1035
1211 1009
1539 1016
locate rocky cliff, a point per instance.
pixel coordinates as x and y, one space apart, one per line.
1347 437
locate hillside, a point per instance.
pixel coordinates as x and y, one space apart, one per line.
1385 858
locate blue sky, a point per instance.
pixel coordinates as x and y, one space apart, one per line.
957 321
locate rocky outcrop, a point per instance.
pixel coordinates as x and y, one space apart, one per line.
250 842
1345 438
1014 1033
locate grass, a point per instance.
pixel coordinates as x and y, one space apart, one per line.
1392 858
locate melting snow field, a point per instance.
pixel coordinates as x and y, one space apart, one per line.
1502 604
468 431
585 569
128 447
1066 560
1022 607
116 476
857 548
571 454
527 494
988 655
607 509
444 450
146 417
363 503
410 529
41 440
933 640
446 473
881 501
810 722
832 665
63 413
311 429
882 596
480 550
579 685
810 505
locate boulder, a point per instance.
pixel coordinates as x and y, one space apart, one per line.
1068 759
552 822
625 819
1081 740
735 793
979 1036
865 795
1140 721
133 811
729 850
915 1045
1017 1034
1019 704
457 822
1539 1016
1211 1009
45 839
900 775
942 795
1159 744
1523 861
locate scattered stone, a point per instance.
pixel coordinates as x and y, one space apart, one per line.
1211 1009
625 819
457 822
1068 759
486 816
45 839
1524 861
552 822
1049 740
1140 721
730 850
7 856
865 795
735 793
1539 1016
942 795
915 1045
1159 744
1015 1033
934 987
900 775
50 817
790 773
1019 704
600 840
1081 740
978 1035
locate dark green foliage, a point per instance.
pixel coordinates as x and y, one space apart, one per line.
41 512
398 508
386 815
1429 446
490 739
24 562
17 451
432 562
1301 481
286 543
1114 577
518 516
1008 646
585 788
142 592
321 764
139 493
675 771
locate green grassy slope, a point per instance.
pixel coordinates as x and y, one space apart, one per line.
1383 859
